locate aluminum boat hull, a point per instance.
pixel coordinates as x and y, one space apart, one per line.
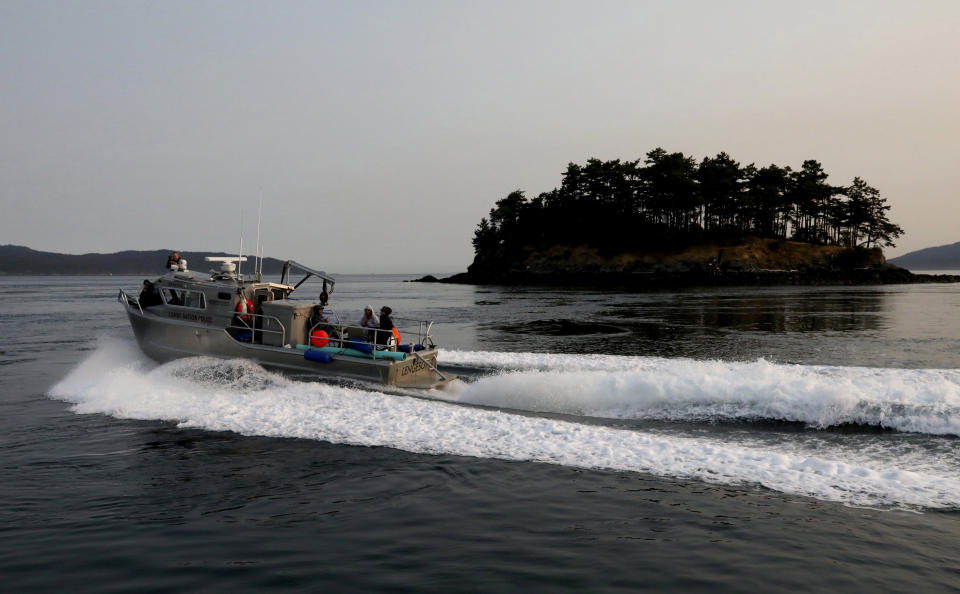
164 339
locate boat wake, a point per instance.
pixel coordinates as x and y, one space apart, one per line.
651 388
242 397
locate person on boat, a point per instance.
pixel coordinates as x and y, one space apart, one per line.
149 295
386 326
368 321
320 320
317 316
173 260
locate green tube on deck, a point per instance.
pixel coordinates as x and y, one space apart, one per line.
391 355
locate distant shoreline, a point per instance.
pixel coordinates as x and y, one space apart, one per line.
18 260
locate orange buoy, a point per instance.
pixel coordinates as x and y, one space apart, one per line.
396 334
319 338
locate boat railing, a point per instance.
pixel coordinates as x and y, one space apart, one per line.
335 329
339 335
251 325
422 332
129 301
335 334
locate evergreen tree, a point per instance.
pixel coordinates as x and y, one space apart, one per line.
765 209
860 197
720 181
670 188
618 205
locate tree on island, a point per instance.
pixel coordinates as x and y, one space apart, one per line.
671 199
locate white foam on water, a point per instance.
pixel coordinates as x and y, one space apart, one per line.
242 397
610 386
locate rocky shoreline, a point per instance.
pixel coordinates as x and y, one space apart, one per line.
747 261
650 280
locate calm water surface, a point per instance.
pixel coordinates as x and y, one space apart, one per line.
735 439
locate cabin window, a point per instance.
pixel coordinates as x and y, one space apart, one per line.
184 298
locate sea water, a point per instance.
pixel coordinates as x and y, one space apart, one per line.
736 438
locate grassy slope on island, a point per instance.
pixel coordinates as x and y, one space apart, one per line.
749 254
748 261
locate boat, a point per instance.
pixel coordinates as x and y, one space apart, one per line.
224 315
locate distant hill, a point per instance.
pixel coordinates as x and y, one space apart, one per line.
944 257
16 259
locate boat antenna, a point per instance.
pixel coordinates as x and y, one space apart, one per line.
258 263
240 255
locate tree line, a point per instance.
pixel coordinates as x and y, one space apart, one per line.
671 199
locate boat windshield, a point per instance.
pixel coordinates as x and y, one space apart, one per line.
183 298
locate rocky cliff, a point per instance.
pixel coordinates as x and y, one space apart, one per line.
746 261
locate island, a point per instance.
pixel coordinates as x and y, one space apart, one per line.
21 260
671 220
941 257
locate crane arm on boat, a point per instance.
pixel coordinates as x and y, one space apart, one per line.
291 265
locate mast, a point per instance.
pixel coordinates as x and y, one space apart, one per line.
258 263
240 255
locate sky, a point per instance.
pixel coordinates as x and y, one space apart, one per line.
378 133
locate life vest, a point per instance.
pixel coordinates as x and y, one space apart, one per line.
244 309
396 334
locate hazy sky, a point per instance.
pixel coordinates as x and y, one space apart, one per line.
379 133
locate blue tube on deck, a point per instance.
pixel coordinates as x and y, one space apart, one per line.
359 345
318 356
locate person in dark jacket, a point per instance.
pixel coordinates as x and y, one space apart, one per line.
173 260
319 319
149 295
386 326
322 320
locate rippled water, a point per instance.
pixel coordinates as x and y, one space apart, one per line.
737 438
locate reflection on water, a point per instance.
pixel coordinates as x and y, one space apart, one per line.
560 327
773 313
896 326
